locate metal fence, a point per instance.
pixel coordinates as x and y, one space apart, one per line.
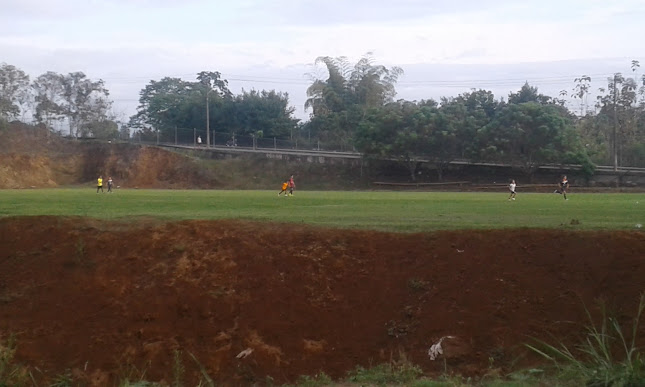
195 137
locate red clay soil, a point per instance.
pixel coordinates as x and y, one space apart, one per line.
101 298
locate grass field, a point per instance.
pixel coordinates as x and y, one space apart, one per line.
387 211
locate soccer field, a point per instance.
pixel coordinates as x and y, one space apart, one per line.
387 211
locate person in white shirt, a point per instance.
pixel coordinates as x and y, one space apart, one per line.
511 187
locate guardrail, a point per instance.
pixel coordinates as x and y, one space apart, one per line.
358 155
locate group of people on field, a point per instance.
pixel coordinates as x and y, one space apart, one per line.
563 186
99 184
288 184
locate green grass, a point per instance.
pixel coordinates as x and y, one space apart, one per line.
387 211
608 355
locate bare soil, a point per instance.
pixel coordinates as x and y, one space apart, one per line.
101 298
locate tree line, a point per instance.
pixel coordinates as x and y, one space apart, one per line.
69 99
172 103
353 106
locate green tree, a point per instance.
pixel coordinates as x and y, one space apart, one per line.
529 93
340 101
166 104
265 111
620 113
466 114
365 84
14 90
173 103
410 134
529 135
213 88
83 101
48 90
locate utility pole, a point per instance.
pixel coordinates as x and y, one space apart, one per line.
615 150
616 130
208 130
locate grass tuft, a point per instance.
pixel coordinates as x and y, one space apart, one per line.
395 372
11 374
606 356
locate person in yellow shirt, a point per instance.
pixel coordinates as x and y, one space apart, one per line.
99 184
284 188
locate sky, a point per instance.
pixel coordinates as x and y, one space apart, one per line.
445 47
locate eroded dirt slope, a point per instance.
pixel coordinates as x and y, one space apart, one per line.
30 157
97 298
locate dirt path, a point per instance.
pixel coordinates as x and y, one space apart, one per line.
97 298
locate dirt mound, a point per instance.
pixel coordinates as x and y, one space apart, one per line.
97 298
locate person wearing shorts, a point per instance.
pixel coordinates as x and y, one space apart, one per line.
285 185
292 185
511 187
563 186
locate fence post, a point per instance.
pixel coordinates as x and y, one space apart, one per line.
175 134
194 136
275 144
213 137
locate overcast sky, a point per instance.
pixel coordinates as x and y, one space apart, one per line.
445 47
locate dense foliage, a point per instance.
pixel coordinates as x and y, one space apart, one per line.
172 103
353 107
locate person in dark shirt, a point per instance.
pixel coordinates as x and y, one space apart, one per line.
563 186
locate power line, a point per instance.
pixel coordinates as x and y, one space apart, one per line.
550 80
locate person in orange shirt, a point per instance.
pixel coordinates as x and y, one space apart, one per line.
284 188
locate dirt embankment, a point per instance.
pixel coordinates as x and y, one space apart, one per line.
32 158
97 298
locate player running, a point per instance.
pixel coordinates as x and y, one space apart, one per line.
511 187
284 188
563 186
